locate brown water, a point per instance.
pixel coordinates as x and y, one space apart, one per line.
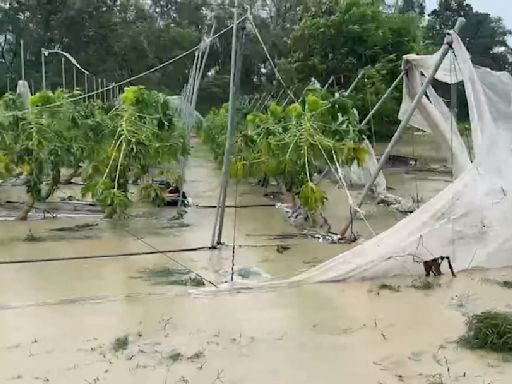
58 320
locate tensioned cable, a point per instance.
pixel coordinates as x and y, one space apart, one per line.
163 253
274 68
142 74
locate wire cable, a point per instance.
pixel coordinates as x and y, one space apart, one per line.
142 74
163 253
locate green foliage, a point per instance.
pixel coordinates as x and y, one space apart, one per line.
485 36
120 344
144 134
344 39
152 193
489 331
290 143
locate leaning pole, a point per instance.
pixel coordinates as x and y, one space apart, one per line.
405 122
221 207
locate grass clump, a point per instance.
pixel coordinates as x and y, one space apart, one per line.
120 344
388 287
506 284
424 285
172 276
490 331
175 357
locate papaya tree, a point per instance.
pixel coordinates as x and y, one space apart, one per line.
290 143
144 135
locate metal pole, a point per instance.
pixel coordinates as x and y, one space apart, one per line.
94 87
111 95
383 99
444 51
63 65
86 87
230 134
8 83
22 60
105 90
43 67
74 78
353 85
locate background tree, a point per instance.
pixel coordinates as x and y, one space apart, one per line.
485 36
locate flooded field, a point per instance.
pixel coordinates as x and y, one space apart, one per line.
83 319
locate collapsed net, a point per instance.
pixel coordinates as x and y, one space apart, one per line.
469 221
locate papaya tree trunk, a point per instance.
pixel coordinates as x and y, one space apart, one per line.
67 180
29 205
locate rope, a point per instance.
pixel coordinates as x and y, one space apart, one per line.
171 258
234 235
142 74
274 68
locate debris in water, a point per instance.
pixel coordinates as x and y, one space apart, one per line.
75 228
120 343
388 287
198 355
424 285
490 330
282 248
175 356
506 284
172 276
31 238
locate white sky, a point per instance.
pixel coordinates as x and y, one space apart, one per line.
502 8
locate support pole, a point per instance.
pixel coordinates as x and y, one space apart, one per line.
63 64
405 122
86 90
22 60
8 83
74 78
354 83
43 67
383 99
221 210
94 87
105 90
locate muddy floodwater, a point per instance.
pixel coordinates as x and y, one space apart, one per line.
80 319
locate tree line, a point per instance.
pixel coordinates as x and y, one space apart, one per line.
116 39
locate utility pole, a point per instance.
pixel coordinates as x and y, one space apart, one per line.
405 122
221 206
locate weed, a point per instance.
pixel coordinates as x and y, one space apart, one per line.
506 284
424 285
490 331
388 287
175 356
120 344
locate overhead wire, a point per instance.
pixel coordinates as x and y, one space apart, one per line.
163 253
271 62
142 74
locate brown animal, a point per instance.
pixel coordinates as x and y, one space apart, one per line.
434 266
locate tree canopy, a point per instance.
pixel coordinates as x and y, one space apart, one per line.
116 39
